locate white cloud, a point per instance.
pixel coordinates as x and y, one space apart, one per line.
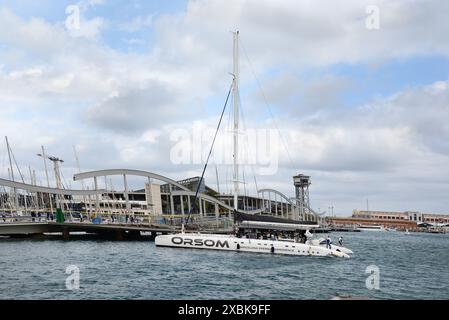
89 28
307 33
35 35
95 2
136 24
138 109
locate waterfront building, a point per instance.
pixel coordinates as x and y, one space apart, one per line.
392 219
415 216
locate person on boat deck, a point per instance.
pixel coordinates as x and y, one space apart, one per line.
340 241
308 234
304 238
328 242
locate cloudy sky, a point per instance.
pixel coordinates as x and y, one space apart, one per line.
362 110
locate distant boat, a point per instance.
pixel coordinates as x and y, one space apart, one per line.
371 228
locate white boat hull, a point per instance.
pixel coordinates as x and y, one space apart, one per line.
232 243
375 229
318 242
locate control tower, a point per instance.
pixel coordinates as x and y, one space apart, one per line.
302 183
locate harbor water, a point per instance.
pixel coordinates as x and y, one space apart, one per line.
413 266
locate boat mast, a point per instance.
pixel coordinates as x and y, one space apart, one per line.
218 181
236 117
16 196
79 171
44 156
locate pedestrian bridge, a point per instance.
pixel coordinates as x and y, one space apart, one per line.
176 198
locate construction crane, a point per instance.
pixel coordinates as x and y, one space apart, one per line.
56 167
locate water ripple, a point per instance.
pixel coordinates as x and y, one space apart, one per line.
411 267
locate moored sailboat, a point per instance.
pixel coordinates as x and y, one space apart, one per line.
253 233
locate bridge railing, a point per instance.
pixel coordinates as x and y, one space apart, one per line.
7 218
194 223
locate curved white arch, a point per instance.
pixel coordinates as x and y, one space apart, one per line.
130 172
289 200
311 210
213 200
33 188
278 193
202 196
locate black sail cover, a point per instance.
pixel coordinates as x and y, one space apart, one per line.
240 217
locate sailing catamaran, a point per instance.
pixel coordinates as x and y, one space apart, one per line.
271 235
